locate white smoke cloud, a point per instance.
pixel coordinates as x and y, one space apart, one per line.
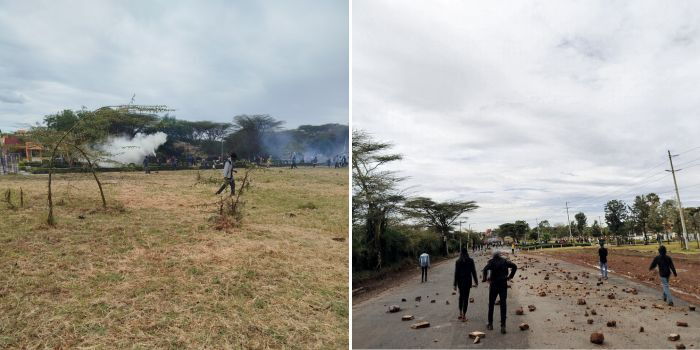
126 150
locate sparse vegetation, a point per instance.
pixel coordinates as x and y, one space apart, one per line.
152 271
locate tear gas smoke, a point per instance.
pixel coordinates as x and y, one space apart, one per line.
126 150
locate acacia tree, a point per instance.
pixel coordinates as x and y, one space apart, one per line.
374 191
441 216
89 128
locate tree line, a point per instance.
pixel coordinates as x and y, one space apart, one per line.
250 136
389 226
647 216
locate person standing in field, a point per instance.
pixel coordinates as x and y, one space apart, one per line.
498 280
146 169
603 259
465 270
424 262
665 264
228 174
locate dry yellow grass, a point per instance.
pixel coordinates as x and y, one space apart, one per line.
152 272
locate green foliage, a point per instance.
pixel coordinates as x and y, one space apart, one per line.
517 230
616 215
580 223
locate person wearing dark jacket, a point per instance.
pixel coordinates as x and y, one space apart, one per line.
665 264
603 259
465 270
498 279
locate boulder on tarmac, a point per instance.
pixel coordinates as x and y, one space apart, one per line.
423 324
597 338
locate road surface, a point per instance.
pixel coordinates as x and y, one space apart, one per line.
557 322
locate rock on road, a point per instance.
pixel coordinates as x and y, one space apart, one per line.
558 321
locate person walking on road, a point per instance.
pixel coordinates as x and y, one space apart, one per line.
424 261
498 279
665 264
603 259
228 174
465 270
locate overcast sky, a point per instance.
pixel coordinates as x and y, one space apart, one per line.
524 105
206 59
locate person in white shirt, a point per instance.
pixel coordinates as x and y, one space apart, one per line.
228 174
424 261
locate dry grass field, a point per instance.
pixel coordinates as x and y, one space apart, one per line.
152 271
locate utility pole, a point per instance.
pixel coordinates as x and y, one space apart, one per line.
568 221
680 206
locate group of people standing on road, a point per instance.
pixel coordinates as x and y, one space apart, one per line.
498 271
662 261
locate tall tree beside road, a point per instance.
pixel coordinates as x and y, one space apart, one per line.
581 223
374 191
439 215
616 215
639 214
655 220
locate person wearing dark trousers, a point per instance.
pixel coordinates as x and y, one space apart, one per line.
424 262
665 264
465 270
498 278
603 258
228 174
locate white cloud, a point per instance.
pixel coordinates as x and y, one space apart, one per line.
208 60
525 105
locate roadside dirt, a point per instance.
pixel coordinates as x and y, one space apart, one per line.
635 265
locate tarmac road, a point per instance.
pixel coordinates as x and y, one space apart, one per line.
550 324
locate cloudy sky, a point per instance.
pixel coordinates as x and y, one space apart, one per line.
206 59
525 105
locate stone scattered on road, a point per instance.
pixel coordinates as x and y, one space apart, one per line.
692 308
657 306
643 307
674 336
680 346
641 329
406 317
432 301
447 302
403 300
593 312
519 311
424 324
611 296
681 324
418 298
477 340
477 334
542 294
581 301
531 308
597 338
471 300
590 321
394 308
524 326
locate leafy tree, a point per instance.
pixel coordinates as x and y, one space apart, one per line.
374 192
616 215
250 132
517 230
639 214
596 231
580 223
669 215
441 216
655 219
